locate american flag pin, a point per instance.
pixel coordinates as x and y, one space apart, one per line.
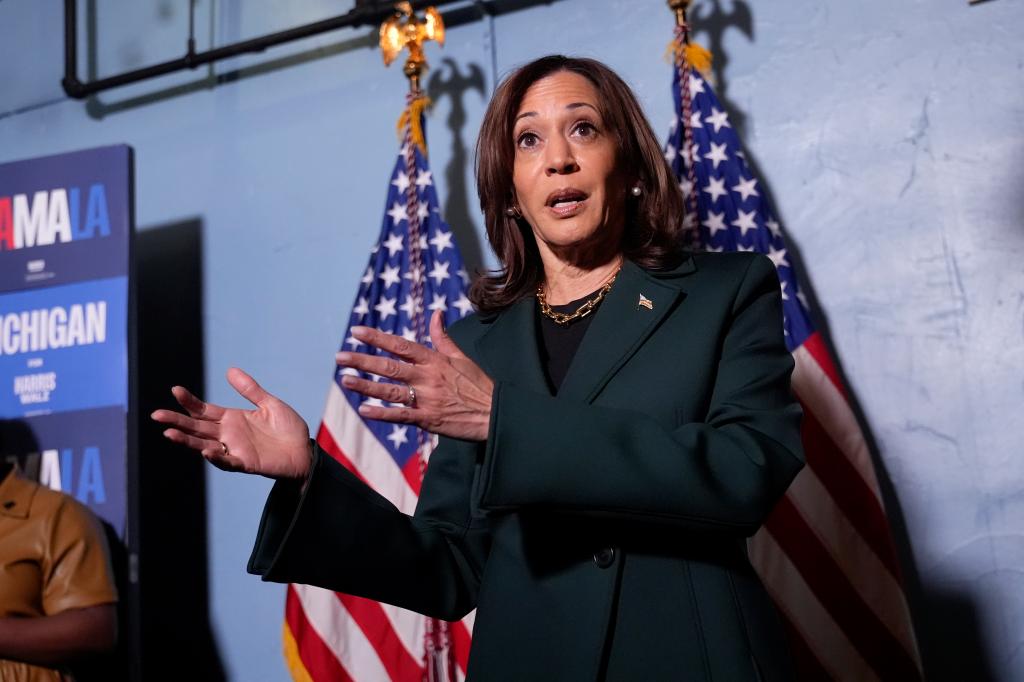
645 303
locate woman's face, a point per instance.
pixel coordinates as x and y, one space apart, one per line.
567 185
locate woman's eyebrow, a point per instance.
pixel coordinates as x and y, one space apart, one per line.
574 105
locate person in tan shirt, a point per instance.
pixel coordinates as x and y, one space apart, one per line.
57 594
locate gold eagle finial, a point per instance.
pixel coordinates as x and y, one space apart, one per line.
405 29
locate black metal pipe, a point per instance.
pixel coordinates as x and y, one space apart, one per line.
361 15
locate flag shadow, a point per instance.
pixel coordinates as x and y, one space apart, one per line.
450 81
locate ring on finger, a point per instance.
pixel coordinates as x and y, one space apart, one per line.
411 400
223 448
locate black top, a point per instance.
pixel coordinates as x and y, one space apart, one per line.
558 342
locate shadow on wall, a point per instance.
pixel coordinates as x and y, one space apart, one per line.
449 81
176 639
946 623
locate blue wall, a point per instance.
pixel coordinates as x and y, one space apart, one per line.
891 135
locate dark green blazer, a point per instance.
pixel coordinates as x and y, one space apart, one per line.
599 533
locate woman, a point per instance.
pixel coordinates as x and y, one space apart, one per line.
614 423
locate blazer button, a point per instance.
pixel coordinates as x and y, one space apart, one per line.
604 557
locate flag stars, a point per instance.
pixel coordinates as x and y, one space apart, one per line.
686 186
782 288
670 153
716 188
362 306
778 256
695 120
397 213
439 303
746 189
694 154
353 341
439 273
719 119
745 222
408 334
411 307
464 305
424 179
774 226
717 154
715 222
386 307
394 244
368 275
422 212
463 275
401 182
390 275
696 85
398 435
414 274
442 241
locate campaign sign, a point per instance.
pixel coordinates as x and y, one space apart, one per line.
65 218
82 454
65 232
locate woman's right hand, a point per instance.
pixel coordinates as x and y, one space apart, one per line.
271 440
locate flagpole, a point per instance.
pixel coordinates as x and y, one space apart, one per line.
684 53
405 30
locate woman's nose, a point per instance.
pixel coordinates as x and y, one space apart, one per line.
560 158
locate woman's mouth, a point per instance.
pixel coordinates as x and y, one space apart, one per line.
566 202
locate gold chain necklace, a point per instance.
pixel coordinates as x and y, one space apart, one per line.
583 310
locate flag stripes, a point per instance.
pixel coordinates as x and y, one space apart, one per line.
344 652
824 576
830 422
414 269
400 662
825 553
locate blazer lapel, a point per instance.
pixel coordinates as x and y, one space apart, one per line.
629 314
508 351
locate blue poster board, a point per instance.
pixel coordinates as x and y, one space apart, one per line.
65 240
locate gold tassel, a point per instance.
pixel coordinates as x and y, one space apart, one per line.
693 54
411 118
698 57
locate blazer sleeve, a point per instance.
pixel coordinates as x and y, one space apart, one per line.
724 474
341 535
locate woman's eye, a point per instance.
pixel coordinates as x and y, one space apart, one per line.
527 141
585 129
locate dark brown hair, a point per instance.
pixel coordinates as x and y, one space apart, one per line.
653 232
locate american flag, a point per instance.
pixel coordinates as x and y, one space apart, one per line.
825 554
414 269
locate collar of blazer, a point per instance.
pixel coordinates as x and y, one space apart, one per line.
508 349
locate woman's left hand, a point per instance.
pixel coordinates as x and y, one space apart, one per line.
443 391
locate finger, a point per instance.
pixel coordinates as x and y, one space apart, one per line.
401 415
439 336
196 407
394 393
247 387
198 427
396 345
211 450
375 364
205 446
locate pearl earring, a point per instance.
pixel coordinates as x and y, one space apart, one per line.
637 190
513 212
